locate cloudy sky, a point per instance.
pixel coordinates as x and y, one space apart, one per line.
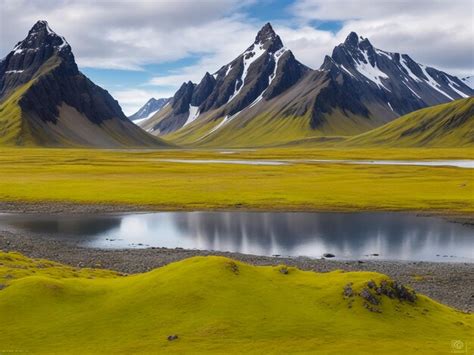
139 49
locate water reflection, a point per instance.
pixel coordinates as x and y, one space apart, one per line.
348 235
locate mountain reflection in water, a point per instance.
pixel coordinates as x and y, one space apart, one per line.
397 236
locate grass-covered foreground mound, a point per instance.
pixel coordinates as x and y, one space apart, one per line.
216 304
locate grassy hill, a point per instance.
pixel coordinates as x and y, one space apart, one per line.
214 304
446 125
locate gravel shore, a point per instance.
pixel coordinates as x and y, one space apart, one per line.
448 283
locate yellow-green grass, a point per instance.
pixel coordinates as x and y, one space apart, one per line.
446 125
267 130
213 304
262 130
140 178
13 131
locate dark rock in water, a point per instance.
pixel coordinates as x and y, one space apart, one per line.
329 255
369 297
375 254
172 337
360 262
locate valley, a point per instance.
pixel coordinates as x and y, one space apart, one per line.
268 208
141 180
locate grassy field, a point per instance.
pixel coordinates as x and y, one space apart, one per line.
141 178
214 304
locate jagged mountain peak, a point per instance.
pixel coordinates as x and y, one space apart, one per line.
41 45
267 39
54 103
41 35
352 39
266 33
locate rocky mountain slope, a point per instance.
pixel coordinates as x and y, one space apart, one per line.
469 81
265 96
151 107
263 71
45 100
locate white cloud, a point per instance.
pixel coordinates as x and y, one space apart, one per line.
127 34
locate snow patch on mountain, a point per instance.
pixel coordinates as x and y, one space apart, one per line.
276 57
193 114
431 82
386 54
451 85
373 73
248 58
229 68
407 69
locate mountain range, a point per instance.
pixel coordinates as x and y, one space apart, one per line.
266 95
45 100
151 107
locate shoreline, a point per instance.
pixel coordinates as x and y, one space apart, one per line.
445 282
78 208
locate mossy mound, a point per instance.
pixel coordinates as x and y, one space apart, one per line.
214 304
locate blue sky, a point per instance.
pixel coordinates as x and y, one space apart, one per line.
137 49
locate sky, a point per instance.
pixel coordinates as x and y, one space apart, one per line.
138 49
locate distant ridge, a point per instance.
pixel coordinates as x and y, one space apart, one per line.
446 125
151 107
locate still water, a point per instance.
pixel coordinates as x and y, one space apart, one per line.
393 236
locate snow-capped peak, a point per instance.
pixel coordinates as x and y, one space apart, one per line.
41 35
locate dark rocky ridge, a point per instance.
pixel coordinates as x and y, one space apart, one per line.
362 75
27 57
264 70
45 61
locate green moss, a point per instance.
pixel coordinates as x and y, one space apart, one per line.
213 308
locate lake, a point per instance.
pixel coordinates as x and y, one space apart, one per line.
392 236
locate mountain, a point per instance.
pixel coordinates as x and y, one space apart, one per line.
446 125
263 71
390 84
469 81
265 96
149 109
45 100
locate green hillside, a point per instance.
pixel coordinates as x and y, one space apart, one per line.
215 304
446 125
